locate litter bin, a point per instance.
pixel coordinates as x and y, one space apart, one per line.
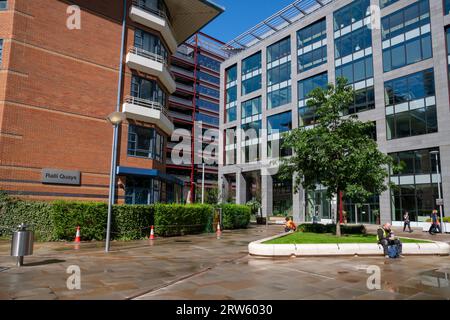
22 243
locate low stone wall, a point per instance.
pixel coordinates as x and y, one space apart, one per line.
257 248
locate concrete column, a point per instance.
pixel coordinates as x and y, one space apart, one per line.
224 188
241 188
298 205
266 195
385 207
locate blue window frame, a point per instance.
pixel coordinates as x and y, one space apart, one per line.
251 107
307 114
145 142
413 19
411 105
353 12
313 34
279 50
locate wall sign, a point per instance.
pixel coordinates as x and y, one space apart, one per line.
55 176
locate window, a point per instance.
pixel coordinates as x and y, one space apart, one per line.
416 190
230 146
208 77
251 85
279 97
251 63
206 118
231 114
276 125
250 141
150 43
313 36
279 50
212 92
209 63
353 42
230 94
1 51
307 114
411 105
147 90
3 4
251 107
206 104
279 74
145 142
385 3
407 36
354 12
447 6
140 190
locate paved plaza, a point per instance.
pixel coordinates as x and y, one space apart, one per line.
202 267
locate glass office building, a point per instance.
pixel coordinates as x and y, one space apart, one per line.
399 68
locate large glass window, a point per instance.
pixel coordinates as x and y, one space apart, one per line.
251 64
3 5
311 45
251 108
213 92
206 104
279 74
416 188
307 114
282 202
206 118
276 125
231 94
411 105
279 50
407 36
385 3
141 190
150 43
209 63
355 41
208 77
230 146
251 141
147 90
447 6
145 142
279 97
351 14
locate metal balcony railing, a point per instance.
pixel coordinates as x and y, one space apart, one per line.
185 87
147 104
182 71
148 55
185 102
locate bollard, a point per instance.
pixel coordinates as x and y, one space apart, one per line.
22 243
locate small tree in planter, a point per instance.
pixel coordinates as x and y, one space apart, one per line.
255 205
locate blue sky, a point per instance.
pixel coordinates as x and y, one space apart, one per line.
241 15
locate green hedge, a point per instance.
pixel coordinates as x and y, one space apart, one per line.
58 220
35 213
178 219
235 216
331 228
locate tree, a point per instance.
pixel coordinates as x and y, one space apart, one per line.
337 152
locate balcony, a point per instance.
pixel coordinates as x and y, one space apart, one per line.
180 101
181 71
152 64
180 116
184 87
148 111
154 19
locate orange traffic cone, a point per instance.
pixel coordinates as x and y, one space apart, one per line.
152 233
218 231
77 236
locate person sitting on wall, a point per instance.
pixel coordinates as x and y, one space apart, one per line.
290 225
386 238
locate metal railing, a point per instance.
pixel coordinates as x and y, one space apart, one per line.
148 55
159 13
147 104
181 101
185 87
182 71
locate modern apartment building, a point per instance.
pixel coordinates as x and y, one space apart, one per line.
65 66
196 68
395 55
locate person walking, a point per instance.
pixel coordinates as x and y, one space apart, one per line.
435 225
406 222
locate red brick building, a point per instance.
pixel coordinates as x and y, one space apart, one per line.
59 75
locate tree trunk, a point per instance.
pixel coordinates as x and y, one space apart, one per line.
338 218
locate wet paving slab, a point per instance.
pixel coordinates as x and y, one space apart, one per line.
202 267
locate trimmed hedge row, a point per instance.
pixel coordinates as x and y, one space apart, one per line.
58 220
331 228
235 216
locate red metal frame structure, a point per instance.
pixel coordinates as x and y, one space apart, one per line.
198 45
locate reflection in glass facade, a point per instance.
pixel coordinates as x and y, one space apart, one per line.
411 105
416 188
312 46
230 146
276 125
231 94
282 202
307 114
406 36
251 108
209 63
279 74
251 74
251 141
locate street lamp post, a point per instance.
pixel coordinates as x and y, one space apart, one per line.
115 118
436 153
203 182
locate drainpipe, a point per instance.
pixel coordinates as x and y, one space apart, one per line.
112 178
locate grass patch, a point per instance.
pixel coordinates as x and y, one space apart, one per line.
314 238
